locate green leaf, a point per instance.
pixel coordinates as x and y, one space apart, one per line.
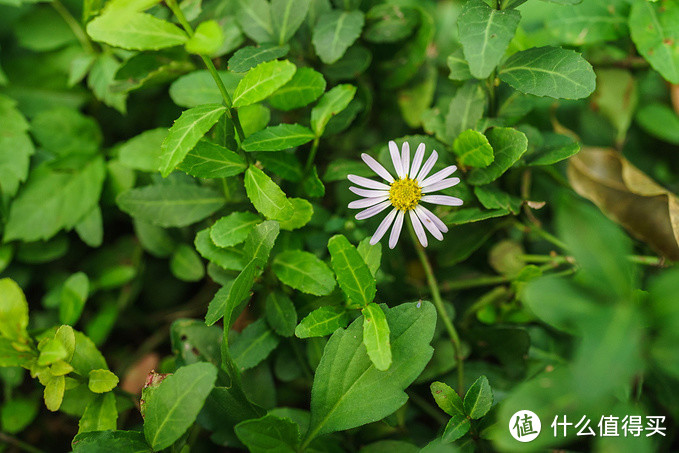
278 138
262 81
371 254
135 31
349 391
479 398
334 32
549 71
199 88
260 241
233 229
54 393
654 28
485 33
459 68
253 345
447 399
660 121
100 415
228 297
167 205
508 145
322 321
51 351
465 109
186 265
248 57
174 405
305 87
303 211
493 198
206 40
556 147
269 434
589 22
457 426
353 275
376 336
472 149
390 23
312 184
17 413
54 199
13 310
332 102
101 381
73 297
254 17
107 441
304 272
209 160
185 134
281 314
266 196
226 258
143 151
287 16
16 147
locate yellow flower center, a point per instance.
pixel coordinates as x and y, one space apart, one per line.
404 194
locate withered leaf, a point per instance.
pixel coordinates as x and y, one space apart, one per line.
628 196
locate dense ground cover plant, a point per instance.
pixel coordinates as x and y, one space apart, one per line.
180 268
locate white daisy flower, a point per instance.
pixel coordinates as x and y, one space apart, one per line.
404 193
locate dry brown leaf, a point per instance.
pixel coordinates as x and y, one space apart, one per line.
628 196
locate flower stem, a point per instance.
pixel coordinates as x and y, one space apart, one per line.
438 302
74 25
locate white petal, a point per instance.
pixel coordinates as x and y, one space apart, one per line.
438 176
384 226
405 157
396 229
419 231
365 182
366 202
428 223
442 199
417 161
443 184
428 165
396 159
377 167
439 224
369 193
371 211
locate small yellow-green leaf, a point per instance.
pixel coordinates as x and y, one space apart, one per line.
101 381
13 310
206 40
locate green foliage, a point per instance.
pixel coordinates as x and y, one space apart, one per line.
174 185
173 406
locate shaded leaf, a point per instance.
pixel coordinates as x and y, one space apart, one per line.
334 32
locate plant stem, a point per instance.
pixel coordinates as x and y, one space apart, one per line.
438 302
19 443
560 259
74 25
231 112
540 232
312 156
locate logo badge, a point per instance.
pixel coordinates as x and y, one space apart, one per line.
524 426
